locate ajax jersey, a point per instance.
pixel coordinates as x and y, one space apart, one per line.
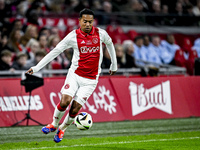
88 53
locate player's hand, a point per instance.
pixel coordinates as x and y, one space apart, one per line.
30 71
112 72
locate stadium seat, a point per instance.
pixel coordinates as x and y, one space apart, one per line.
120 33
110 30
186 44
119 30
117 39
132 34
179 58
56 65
190 62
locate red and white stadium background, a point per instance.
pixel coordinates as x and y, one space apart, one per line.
115 99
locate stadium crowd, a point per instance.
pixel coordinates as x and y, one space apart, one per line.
23 45
155 12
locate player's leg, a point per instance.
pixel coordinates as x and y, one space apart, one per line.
60 109
69 119
81 97
74 109
68 91
58 114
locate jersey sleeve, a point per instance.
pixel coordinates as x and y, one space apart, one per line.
60 47
111 49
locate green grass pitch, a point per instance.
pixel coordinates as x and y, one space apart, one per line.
166 134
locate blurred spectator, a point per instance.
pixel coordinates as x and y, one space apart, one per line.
14 41
163 53
61 59
6 10
96 5
17 25
166 19
120 5
196 46
45 31
140 52
6 60
165 9
106 59
120 56
151 54
169 44
53 40
129 50
183 10
4 43
156 9
31 32
81 5
22 8
106 11
136 6
70 5
55 6
128 47
32 18
156 6
39 7
191 19
21 61
196 9
43 43
32 47
179 9
55 31
38 56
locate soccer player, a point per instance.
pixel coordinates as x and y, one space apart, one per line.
83 74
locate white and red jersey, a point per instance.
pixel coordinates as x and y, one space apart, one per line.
88 52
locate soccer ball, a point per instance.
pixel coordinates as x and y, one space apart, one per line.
83 121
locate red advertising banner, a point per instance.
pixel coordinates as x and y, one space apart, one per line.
114 99
159 97
14 103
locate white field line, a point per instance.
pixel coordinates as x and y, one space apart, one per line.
110 143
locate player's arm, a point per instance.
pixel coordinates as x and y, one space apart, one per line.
61 46
113 65
111 50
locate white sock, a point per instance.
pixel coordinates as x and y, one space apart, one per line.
66 123
57 117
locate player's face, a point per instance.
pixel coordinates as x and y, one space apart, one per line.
86 23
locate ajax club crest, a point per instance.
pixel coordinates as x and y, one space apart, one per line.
95 40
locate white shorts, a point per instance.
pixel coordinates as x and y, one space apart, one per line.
78 87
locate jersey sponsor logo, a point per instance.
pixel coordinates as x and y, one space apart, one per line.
95 40
143 99
85 49
19 103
